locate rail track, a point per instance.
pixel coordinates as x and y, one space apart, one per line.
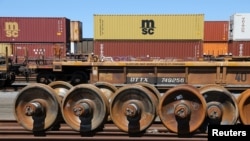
11 130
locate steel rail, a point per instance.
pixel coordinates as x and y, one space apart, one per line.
11 130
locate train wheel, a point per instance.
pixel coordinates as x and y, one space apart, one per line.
151 88
78 78
61 88
222 106
36 107
244 107
133 108
85 108
108 90
45 78
154 91
182 109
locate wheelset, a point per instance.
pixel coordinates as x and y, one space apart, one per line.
36 107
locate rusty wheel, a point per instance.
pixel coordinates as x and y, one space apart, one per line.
133 108
155 92
107 88
182 109
238 98
45 78
151 88
61 88
84 108
36 107
222 106
244 107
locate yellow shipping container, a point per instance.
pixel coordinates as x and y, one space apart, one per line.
3 47
214 48
153 27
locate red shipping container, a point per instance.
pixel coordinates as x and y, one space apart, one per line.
216 30
34 51
34 29
179 49
239 48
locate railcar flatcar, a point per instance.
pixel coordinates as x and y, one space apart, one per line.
133 94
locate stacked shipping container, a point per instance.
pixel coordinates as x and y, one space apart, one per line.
78 44
161 49
75 31
164 36
34 33
239 35
215 38
34 29
83 47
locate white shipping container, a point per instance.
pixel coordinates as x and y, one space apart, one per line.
240 27
72 47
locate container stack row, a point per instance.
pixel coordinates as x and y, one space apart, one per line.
123 37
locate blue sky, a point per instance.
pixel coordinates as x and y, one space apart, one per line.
83 10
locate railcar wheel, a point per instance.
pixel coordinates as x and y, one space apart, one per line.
238 98
78 78
151 88
45 78
36 107
61 88
85 108
222 106
107 89
154 91
182 109
133 108
244 107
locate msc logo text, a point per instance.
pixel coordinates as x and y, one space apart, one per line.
147 27
11 29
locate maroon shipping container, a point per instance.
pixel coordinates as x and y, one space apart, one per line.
141 48
34 29
239 48
34 51
216 30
